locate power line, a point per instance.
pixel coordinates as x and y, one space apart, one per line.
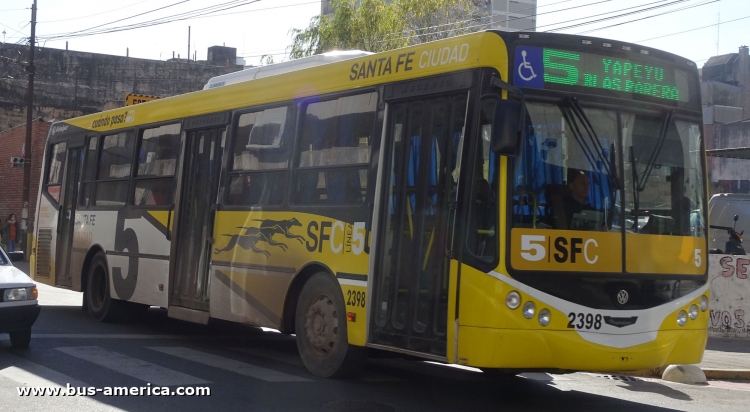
92 15
127 18
648 17
600 14
158 21
263 9
697 28
671 3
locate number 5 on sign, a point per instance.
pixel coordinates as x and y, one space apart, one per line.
532 247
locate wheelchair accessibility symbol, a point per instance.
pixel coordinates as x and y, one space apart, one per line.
529 67
525 69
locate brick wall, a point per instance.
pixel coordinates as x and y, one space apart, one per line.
11 178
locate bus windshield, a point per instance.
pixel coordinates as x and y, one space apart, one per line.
585 168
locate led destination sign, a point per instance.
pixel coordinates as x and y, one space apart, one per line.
546 68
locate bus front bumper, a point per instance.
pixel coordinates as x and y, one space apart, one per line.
565 350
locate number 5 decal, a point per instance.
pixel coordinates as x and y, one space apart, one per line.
698 259
531 243
359 237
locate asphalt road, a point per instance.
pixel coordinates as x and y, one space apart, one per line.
259 370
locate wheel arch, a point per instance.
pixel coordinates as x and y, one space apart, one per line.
292 294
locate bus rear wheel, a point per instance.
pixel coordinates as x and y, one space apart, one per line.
320 325
99 303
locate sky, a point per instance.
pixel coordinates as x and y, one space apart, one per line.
261 27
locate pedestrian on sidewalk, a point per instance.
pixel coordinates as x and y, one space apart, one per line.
10 231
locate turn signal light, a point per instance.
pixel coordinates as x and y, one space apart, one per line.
351 316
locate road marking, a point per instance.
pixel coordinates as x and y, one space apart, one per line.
231 365
31 374
120 336
294 359
273 355
139 369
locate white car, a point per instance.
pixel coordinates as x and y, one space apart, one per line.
19 306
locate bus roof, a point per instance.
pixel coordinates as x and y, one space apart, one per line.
253 73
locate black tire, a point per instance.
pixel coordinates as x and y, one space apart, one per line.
20 338
99 303
320 325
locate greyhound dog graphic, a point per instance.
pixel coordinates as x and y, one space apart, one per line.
263 233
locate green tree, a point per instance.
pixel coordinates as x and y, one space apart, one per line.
430 20
362 25
374 25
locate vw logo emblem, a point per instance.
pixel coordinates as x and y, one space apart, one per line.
622 297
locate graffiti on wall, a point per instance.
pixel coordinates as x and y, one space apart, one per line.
730 296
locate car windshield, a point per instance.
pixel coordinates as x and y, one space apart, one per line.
588 168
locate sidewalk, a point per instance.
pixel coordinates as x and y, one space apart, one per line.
726 359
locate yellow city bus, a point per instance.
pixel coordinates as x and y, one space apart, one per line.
505 201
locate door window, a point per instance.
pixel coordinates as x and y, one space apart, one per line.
55 171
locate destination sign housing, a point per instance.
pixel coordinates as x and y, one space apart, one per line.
549 68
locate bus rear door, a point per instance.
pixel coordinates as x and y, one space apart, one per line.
196 205
67 212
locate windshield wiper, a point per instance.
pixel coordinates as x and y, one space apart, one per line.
577 110
639 185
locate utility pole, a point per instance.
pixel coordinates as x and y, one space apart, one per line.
27 146
188 55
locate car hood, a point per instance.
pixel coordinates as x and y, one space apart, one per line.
12 277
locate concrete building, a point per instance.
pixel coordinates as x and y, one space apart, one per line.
725 90
71 83
510 15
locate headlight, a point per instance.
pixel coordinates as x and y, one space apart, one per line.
681 318
544 317
513 300
693 312
529 308
16 294
704 303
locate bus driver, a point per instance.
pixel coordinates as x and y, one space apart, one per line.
576 202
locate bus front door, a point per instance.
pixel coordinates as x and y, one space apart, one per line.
195 214
410 306
66 216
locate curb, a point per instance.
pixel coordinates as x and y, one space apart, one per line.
711 373
727 374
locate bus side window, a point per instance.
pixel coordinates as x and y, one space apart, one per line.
260 157
157 159
334 153
115 165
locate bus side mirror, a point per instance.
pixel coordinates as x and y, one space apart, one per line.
506 127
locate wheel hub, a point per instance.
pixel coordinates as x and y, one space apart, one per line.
321 325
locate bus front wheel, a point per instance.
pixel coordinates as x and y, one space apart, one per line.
320 325
99 303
